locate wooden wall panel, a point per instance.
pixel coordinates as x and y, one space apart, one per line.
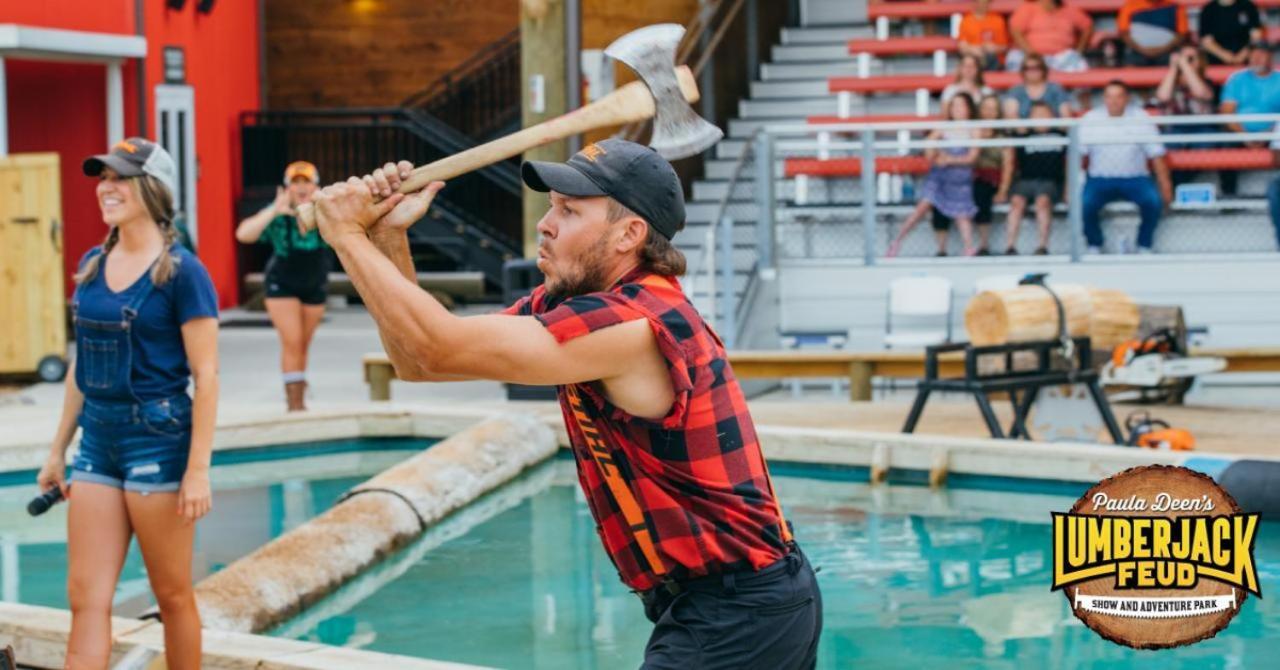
359 53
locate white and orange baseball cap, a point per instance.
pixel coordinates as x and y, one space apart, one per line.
301 170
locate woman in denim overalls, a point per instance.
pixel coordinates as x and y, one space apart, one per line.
146 325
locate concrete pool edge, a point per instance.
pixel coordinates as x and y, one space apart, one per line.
39 638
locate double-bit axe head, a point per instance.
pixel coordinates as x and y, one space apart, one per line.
678 131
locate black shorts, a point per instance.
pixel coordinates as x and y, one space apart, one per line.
766 620
984 196
302 274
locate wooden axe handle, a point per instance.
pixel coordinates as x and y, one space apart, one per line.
628 104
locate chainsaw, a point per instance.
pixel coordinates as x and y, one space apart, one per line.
1155 368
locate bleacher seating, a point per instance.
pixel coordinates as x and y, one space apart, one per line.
939 10
928 44
1135 77
1239 158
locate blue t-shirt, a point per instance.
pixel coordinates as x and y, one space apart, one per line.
159 357
1253 95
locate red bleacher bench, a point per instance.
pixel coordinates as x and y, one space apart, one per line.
914 46
939 10
872 118
1135 77
1242 158
903 46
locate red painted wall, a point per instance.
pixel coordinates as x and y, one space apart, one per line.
222 66
61 107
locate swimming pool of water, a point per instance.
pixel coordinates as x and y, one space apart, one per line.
911 578
258 494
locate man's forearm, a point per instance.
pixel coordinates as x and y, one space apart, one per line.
410 320
394 244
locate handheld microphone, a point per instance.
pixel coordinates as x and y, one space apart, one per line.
41 503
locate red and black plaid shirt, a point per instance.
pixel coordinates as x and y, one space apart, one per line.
698 473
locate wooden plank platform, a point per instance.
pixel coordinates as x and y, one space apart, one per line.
859 366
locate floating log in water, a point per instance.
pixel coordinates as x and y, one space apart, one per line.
296 569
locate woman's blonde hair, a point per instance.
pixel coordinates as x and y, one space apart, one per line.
159 203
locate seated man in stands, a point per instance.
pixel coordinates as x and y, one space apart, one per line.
1151 30
1120 172
1255 90
983 35
1227 28
1057 32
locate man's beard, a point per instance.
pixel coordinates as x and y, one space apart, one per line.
586 276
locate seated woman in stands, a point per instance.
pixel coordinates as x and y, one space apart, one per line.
992 175
1041 173
1036 87
949 184
1057 32
968 81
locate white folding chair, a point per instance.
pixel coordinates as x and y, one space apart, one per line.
918 312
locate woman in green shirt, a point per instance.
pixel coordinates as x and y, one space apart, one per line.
296 275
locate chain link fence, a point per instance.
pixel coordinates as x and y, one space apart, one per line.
1099 184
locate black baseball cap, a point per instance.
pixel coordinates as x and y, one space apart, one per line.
633 174
135 157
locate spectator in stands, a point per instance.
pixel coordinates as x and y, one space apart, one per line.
1041 172
983 35
1273 194
1187 90
1120 172
1227 28
968 80
992 172
949 184
1036 87
1151 30
1255 90
1058 33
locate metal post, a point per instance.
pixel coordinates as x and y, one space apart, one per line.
115 103
869 196
1075 213
765 202
753 39
4 114
573 62
727 303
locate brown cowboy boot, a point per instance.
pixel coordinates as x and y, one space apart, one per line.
295 394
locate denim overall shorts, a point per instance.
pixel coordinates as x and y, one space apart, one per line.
126 442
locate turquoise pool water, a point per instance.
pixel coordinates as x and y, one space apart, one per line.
258 494
911 579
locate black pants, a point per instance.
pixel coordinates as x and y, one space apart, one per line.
767 620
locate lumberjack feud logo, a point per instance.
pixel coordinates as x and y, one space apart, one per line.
1155 557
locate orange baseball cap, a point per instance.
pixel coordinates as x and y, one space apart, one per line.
302 169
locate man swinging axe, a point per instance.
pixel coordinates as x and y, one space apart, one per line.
665 446
666 450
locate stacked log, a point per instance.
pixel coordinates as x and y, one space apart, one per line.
1029 313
